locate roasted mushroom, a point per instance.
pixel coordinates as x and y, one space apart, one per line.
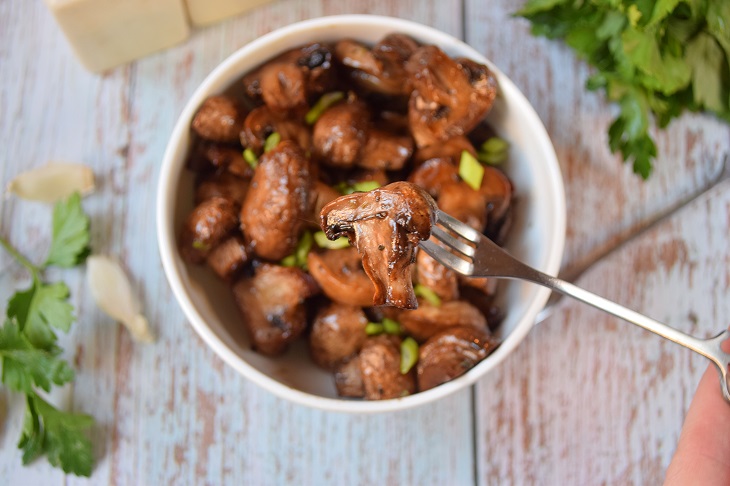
340 133
209 223
228 258
271 303
451 353
219 119
223 157
432 274
283 86
314 62
465 204
221 184
262 122
348 379
338 333
277 203
382 69
385 225
340 275
428 319
449 97
380 369
385 150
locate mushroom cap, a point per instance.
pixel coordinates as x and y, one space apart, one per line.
451 353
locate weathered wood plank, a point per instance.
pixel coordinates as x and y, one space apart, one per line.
173 413
588 399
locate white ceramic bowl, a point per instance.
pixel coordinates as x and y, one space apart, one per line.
537 236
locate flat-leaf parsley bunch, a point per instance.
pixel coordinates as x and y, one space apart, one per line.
29 352
651 56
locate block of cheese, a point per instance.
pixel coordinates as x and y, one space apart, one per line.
204 12
107 33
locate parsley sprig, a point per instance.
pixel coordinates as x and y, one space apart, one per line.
29 352
652 57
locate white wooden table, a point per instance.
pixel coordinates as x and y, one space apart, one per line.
585 399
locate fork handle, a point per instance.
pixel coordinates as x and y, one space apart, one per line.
709 348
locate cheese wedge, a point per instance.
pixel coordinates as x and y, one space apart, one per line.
205 12
107 33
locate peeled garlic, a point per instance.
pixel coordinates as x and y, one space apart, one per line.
112 292
53 182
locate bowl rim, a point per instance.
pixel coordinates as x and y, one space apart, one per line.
171 169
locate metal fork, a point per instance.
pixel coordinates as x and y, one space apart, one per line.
474 255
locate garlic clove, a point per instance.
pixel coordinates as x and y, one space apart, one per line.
112 292
53 182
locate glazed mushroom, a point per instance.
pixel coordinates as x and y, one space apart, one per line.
428 319
449 98
262 122
348 379
385 150
435 174
228 258
340 275
382 69
209 223
340 133
221 157
283 86
271 303
385 225
465 204
314 62
221 184
451 353
380 369
277 203
338 333
432 274
219 119
449 150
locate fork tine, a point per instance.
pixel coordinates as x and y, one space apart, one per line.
453 224
451 241
445 257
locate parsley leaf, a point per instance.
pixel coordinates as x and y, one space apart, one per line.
70 244
40 307
655 58
28 352
59 434
24 365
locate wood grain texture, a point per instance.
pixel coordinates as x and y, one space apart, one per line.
584 400
173 413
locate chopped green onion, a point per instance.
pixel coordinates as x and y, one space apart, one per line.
495 145
365 186
408 355
362 186
492 159
199 245
428 294
299 257
392 327
494 151
303 247
321 106
272 141
289 261
374 328
250 157
323 242
470 170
